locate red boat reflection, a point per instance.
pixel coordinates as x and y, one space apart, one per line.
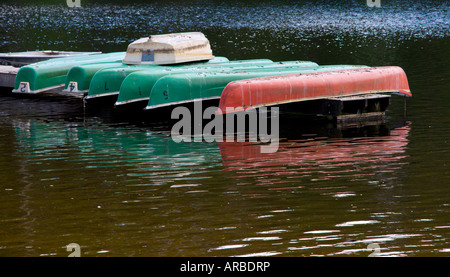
318 158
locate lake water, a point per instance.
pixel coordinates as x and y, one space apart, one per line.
118 187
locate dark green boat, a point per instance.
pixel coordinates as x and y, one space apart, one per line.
79 78
51 74
178 89
137 86
107 82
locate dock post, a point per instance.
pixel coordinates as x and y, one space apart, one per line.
84 110
404 107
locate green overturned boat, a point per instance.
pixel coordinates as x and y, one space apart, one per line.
107 81
51 74
79 78
156 52
137 86
178 89
169 49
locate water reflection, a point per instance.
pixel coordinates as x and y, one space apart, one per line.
120 151
358 176
325 192
72 179
312 158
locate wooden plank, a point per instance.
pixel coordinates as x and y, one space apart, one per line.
360 117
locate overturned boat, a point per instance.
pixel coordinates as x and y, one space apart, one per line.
178 89
107 81
136 88
19 59
168 50
165 71
51 74
79 78
334 93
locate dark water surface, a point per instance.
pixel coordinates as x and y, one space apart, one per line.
120 188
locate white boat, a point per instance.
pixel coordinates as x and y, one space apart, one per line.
18 59
169 49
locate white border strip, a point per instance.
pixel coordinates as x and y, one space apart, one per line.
131 101
181 102
101 95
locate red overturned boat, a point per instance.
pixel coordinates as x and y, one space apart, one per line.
365 90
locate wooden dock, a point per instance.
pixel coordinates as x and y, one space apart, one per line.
8 75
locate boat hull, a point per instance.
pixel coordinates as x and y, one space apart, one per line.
138 86
79 78
254 93
51 74
19 59
169 49
183 88
109 81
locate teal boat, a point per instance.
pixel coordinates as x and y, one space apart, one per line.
107 82
79 77
137 86
51 74
178 89
168 49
